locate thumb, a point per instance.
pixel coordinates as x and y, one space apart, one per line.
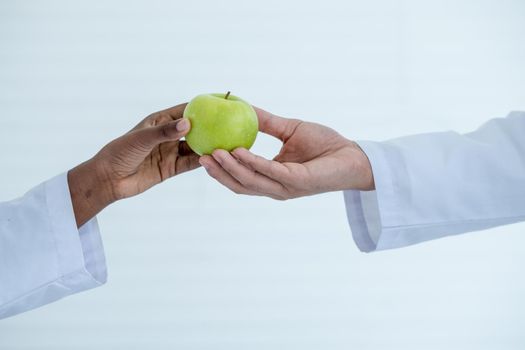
279 127
147 138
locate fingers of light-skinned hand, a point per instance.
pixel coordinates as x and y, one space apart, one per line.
215 170
279 127
269 168
248 178
147 138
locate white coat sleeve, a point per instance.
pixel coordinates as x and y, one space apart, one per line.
439 184
43 256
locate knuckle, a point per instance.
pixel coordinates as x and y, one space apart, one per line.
150 120
248 181
226 165
252 184
165 131
255 159
158 118
272 169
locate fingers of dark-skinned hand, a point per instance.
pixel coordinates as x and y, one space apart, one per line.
187 163
174 158
147 138
250 179
215 170
162 117
175 112
163 163
184 149
269 168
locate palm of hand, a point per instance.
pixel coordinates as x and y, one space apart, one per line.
318 158
305 141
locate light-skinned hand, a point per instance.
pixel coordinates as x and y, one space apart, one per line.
313 159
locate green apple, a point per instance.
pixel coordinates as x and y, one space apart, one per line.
220 121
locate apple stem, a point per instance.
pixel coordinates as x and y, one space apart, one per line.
228 94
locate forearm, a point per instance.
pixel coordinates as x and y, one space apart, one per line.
90 191
438 184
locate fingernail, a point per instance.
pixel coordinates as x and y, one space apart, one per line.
217 156
183 125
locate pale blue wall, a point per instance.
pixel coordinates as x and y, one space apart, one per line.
192 266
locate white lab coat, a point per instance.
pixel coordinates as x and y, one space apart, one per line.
43 256
439 184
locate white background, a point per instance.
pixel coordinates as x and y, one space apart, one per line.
193 266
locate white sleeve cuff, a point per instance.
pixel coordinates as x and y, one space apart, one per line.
49 257
80 252
374 215
435 185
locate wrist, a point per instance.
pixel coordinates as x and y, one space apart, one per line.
90 191
363 177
